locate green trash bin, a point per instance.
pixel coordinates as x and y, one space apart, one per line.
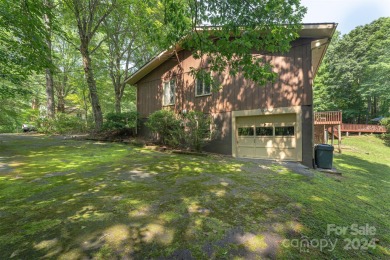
324 156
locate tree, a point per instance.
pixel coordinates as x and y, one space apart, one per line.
231 30
22 45
48 18
128 44
89 15
114 37
67 62
27 40
354 74
125 37
322 96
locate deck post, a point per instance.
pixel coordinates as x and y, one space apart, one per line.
339 133
325 140
332 135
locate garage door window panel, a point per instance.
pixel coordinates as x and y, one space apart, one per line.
245 131
264 131
284 131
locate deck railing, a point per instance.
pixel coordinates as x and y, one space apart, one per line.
328 118
361 128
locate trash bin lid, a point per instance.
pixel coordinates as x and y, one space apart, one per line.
324 147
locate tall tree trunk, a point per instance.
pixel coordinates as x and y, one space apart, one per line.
62 92
118 108
116 82
96 109
119 88
49 74
368 109
85 103
50 94
88 22
60 104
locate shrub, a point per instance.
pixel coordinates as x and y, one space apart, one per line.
191 130
121 121
166 126
386 122
61 124
196 130
69 124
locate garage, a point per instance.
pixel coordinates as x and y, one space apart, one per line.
268 136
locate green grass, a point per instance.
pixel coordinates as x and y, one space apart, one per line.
72 199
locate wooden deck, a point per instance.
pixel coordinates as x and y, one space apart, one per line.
328 118
357 128
361 128
329 125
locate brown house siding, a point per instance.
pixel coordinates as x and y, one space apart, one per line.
293 87
223 142
307 135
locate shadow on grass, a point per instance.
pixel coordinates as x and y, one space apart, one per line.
140 224
113 201
75 200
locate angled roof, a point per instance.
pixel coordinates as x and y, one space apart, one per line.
320 32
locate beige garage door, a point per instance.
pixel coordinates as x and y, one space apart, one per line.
267 136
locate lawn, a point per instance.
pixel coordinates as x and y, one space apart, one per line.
70 199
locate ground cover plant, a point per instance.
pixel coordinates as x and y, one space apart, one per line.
70 199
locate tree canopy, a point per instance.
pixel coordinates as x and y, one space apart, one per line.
354 76
228 31
68 56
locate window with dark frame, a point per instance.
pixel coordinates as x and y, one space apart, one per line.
169 93
246 131
284 131
202 88
264 131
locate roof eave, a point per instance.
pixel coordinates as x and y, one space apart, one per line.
152 64
309 30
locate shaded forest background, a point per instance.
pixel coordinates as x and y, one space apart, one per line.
63 63
56 57
355 74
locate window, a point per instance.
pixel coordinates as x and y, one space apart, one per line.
264 131
284 131
202 88
169 93
245 131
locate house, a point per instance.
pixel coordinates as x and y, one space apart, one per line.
274 121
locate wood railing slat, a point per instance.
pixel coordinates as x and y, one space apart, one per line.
328 117
363 128
335 118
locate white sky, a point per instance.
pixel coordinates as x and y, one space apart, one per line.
347 13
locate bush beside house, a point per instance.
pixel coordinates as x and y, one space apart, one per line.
190 130
125 123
